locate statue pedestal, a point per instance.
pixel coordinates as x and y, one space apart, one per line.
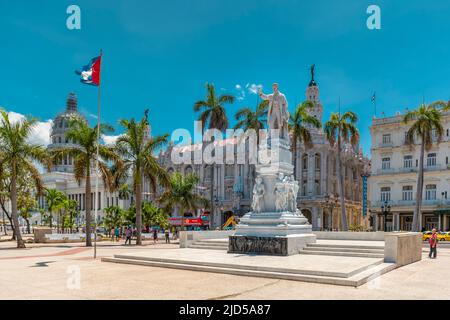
272 231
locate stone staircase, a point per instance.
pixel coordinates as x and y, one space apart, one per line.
355 278
350 250
345 250
211 244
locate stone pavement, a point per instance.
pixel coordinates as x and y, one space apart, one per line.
46 272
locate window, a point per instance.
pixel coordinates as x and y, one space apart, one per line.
385 194
430 192
431 160
317 158
386 138
305 162
385 163
407 193
407 161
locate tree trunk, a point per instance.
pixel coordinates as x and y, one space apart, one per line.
9 219
417 212
28 226
88 207
341 187
211 214
15 218
294 156
139 212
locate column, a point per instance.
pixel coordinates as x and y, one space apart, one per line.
315 218
320 222
397 221
311 174
323 173
375 222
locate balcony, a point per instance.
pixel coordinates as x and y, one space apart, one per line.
386 145
385 171
435 167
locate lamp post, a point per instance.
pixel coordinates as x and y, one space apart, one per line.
331 204
385 210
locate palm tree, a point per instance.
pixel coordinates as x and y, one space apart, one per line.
18 155
182 195
252 120
213 115
136 150
342 129
426 123
54 199
84 154
299 123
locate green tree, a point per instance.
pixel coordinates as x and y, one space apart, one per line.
154 216
26 203
426 122
19 155
114 217
300 123
342 129
213 115
136 150
54 200
252 120
182 195
84 154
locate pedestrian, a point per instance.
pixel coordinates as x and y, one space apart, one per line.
433 244
112 234
155 236
117 233
166 233
128 234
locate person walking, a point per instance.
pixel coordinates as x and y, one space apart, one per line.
117 233
128 234
166 233
155 236
112 234
433 244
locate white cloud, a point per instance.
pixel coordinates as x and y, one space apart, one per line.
241 93
41 131
110 140
254 88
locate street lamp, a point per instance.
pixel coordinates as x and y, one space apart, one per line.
331 204
385 210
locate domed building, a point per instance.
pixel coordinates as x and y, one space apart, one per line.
58 133
61 176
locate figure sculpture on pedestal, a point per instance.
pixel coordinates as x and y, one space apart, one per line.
258 195
292 194
280 194
278 114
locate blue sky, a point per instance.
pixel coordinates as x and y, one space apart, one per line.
160 54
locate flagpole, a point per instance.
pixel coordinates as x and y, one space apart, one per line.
97 160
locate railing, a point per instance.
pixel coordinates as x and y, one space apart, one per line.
409 203
437 167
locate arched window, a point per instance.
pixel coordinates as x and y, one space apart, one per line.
305 162
317 161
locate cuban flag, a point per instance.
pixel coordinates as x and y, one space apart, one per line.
90 74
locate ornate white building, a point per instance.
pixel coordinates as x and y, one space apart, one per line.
393 180
61 175
316 173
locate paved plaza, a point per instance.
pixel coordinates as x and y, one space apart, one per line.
46 272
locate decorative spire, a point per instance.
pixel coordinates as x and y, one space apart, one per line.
312 83
72 102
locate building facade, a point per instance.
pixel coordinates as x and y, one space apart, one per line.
316 172
393 181
61 176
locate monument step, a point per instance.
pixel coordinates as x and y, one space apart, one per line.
213 242
355 280
251 267
343 254
340 249
206 246
349 246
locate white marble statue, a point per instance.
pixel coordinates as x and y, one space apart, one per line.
278 113
258 195
293 188
280 193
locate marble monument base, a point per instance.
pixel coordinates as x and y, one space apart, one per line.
278 245
272 233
